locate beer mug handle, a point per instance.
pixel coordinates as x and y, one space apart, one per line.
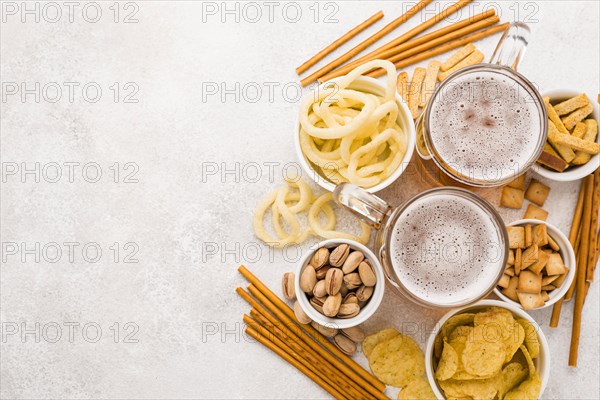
512 45
363 204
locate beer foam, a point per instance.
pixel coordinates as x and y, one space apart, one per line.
485 125
446 249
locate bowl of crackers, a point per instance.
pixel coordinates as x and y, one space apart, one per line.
572 150
540 266
488 350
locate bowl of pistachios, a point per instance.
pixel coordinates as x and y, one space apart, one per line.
338 283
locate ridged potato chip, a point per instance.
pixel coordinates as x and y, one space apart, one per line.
397 361
499 323
531 337
448 363
528 390
530 363
452 322
419 389
511 376
373 340
481 389
483 354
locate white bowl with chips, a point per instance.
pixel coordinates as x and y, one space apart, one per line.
572 173
566 252
405 121
370 307
542 362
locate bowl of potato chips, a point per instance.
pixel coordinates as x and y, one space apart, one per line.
489 350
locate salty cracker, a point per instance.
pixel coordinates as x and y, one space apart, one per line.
539 265
518 183
414 94
474 58
530 255
553 245
518 260
530 301
448 363
529 282
512 375
369 343
528 235
555 265
528 390
483 354
511 197
576 116
511 258
429 83
534 212
455 58
402 85
449 328
516 237
504 281
532 342
511 290
571 104
537 192
397 361
418 389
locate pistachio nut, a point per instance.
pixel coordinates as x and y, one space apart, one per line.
325 330
356 334
350 298
308 279
287 286
346 345
319 289
301 316
352 262
364 293
320 258
344 289
348 310
332 305
317 303
367 274
352 280
339 254
321 272
333 281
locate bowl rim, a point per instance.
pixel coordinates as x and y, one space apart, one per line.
567 253
365 313
543 360
580 171
403 114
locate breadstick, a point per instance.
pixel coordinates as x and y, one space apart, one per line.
565 151
572 104
555 118
414 94
428 86
457 57
577 115
474 58
579 130
402 85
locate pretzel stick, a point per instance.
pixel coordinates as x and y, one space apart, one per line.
368 42
279 307
432 39
591 256
581 270
302 368
424 52
347 36
575 235
297 351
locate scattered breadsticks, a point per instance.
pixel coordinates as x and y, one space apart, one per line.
429 83
402 85
474 58
571 137
458 57
414 95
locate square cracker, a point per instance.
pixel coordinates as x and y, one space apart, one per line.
537 192
518 183
516 237
511 197
534 212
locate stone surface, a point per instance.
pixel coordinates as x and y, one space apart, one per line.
210 133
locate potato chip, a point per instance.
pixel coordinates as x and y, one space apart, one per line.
500 324
373 340
419 389
530 363
465 376
531 337
448 327
397 361
512 375
484 354
484 389
460 334
528 390
448 363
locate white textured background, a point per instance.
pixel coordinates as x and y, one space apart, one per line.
192 227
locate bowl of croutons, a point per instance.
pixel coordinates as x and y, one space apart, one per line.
540 266
572 150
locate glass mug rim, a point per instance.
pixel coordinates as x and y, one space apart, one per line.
519 79
384 217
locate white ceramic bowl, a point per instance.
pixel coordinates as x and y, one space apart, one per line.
366 312
405 121
542 363
567 254
576 172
